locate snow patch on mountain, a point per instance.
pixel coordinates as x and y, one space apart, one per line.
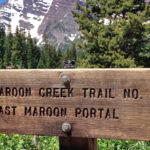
18 4
72 37
15 17
35 21
54 17
26 14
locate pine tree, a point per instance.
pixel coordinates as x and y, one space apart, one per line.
113 28
59 59
145 55
53 57
2 37
29 51
35 55
19 52
42 61
71 53
48 55
43 55
23 49
8 49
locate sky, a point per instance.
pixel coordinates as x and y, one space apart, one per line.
1 1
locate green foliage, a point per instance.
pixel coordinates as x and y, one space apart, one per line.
18 142
30 49
113 59
71 53
47 143
122 145
33 53
145 55
2 37
42 61
19 51
114 29
59 59
50 58
8 49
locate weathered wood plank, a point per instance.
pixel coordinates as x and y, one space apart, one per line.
105 103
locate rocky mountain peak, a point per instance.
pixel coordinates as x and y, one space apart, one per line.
53 17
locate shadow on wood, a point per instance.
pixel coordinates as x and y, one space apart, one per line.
71 143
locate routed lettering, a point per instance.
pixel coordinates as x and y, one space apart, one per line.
131 93
101 113
98 93
21 92
8 91
92 92
8 110
56 111
62 92
42 111
85 91
56 92
41 92
107 114
93 113
45 111
77 112
85 113
114 114
35 113
49 111
15 92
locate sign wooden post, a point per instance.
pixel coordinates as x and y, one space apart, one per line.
76 103
71 143
76 143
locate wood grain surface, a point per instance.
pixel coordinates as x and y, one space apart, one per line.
100 103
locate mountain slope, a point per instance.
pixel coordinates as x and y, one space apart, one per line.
59 22
38 16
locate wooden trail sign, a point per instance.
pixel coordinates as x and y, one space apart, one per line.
104 103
